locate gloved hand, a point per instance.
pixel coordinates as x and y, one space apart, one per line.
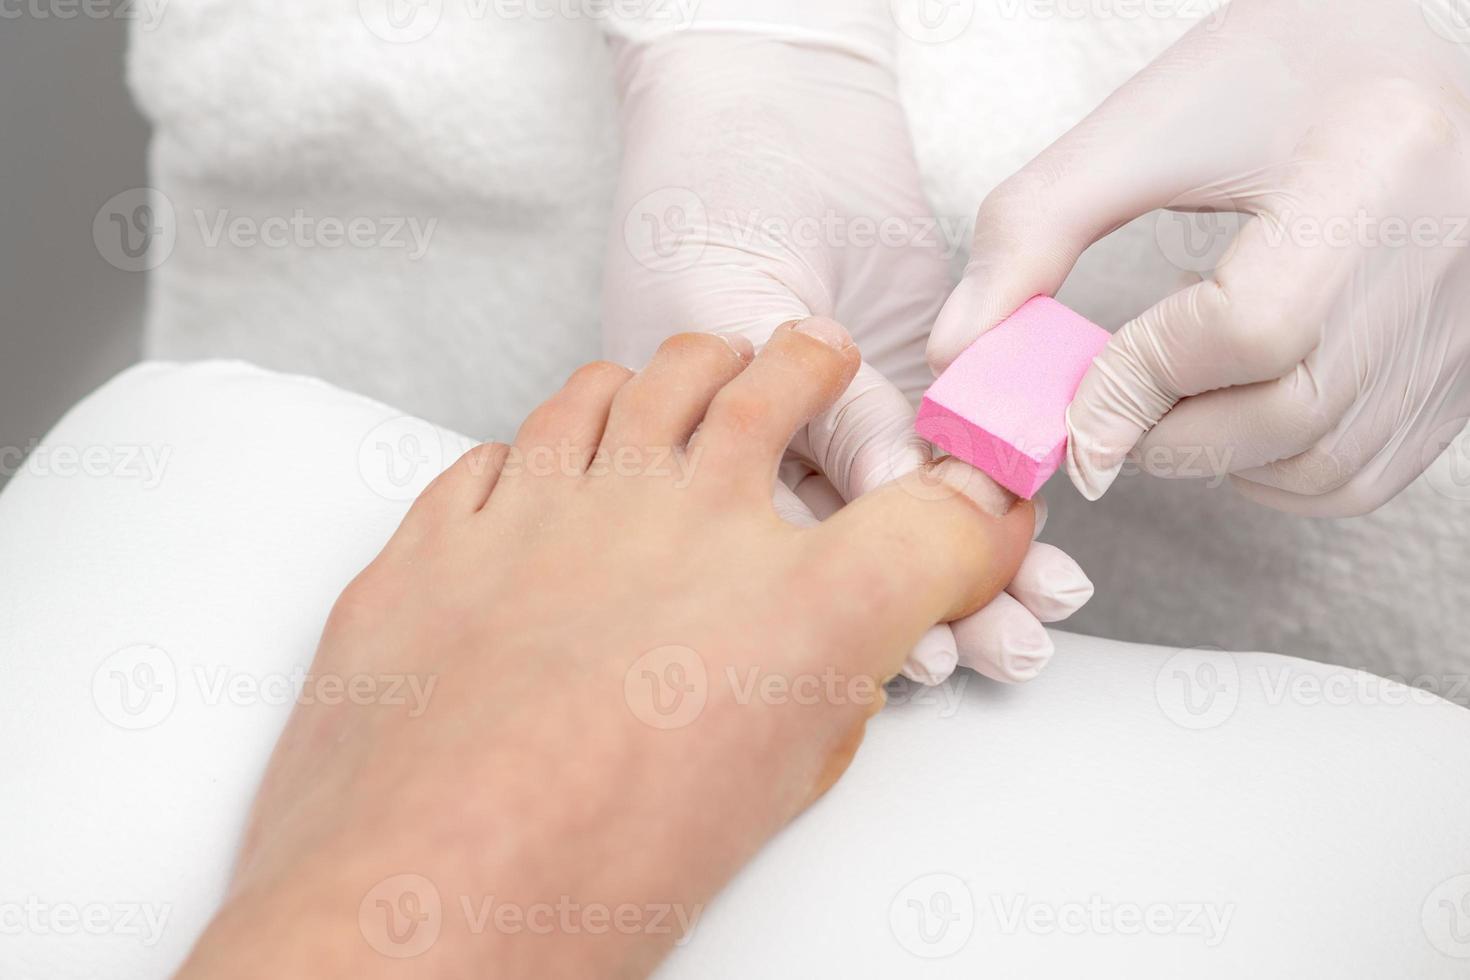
1324 364
768 176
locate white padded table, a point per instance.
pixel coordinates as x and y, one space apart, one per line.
169 555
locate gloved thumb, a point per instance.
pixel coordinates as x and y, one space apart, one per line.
1017 254
1123 161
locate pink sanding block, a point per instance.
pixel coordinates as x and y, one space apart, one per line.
1002 405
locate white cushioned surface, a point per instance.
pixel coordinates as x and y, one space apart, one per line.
1137 812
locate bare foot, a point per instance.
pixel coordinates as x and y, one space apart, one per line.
639 673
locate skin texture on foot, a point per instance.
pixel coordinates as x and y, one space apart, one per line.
640 672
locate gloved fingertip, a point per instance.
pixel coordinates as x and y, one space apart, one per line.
1051 585
1004 641
1024 652
1091 483
1091 467
1038 504
933 659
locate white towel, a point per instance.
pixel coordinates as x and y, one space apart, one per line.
493 134
159 613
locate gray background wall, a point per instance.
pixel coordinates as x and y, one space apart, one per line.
69 140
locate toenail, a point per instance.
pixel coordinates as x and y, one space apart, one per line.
739 343
829 332
960 477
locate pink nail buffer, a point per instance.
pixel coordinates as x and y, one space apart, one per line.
1002 405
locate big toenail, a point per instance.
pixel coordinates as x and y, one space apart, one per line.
739 343
829 332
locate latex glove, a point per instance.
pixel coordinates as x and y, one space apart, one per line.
1324 363
768 176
